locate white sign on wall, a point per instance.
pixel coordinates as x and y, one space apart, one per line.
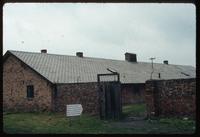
74 110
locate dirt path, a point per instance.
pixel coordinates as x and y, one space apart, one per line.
131 122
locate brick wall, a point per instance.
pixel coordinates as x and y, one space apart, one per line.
171 97
16 77
132 93
83 93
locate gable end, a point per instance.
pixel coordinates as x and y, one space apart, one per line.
23 64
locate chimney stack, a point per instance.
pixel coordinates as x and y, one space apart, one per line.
165 62
131 57
44 51
79 54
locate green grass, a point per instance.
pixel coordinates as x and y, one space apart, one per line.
180 124
55 123
49 123
134 110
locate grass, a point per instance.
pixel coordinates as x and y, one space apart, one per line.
55 123
134 110
185 125
49 123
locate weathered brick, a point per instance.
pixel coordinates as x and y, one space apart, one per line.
16 77
83 93
176 97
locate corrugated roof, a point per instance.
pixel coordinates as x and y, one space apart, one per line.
73 69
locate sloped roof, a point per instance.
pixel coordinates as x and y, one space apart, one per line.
73 69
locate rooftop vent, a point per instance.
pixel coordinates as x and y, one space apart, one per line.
131 57
165 62
79 54
43 51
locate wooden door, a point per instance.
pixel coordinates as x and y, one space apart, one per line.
110 100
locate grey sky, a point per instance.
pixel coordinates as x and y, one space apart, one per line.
164 31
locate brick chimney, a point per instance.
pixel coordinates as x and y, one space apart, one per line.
130 57
165 62
79 54
44 51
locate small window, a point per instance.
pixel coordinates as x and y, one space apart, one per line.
30 91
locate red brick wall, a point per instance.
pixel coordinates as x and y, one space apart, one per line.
132 93
80 93
171 97
16 77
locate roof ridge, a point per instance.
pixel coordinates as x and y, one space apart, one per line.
97 58
64 55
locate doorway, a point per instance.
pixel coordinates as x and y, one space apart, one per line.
110 103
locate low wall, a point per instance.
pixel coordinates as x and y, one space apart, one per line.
171 97
80 93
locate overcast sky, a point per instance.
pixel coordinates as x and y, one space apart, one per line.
163 31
